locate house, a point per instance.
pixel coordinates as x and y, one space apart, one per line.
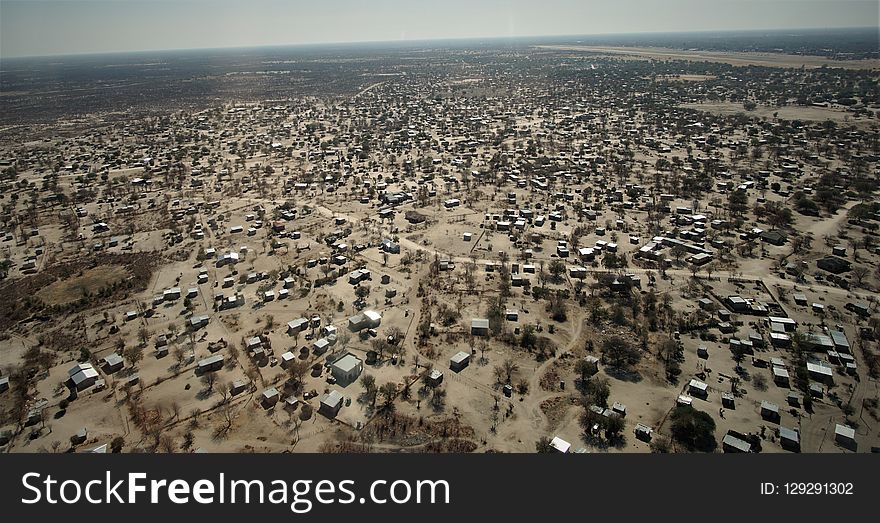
330 404
698 388
833 264
781 376
841 344
209 364
560 445
296 326
733 444
197 322
774 237
643 432
845 436
459 361
347 369
390 247
787 324
254 343
368 319
859 308
112 363
700 258
728 400
269 397
820 373
286 359
480 327
769 411
4 383
736 304
790 439
238 386
435 377
320 346
82 376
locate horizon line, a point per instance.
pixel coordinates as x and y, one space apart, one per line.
428 40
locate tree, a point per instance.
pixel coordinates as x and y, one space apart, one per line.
209 379
504 372
620 353
738 202
585 370
557 269
368 382
660 445
388 391
143 335
542 446
694 429
438 398
859 273
179 355
117 444
225 389
613 426
596 392
134 354
297 371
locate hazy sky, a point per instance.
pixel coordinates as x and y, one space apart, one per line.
48 27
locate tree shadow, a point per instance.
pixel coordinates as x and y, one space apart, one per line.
631 376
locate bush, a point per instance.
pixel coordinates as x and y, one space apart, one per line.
694 429
618 352
117 444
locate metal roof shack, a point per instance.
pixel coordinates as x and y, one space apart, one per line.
208 364
732 444
560 445
459 361
330 404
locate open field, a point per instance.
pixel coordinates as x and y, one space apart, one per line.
812 114
75 287
732 58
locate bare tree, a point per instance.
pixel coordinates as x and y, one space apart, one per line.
209 379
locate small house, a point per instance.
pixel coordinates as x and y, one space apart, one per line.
560 445
210 364
769 411
435 377
790 439
330 404
480 327
112 363
698 388
269 397
733 444
845 436
459 361
643 432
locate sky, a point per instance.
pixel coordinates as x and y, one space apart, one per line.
55 27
